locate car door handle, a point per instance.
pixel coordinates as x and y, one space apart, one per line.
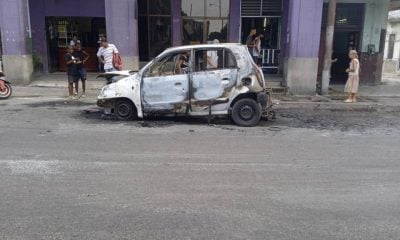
225 79
178 84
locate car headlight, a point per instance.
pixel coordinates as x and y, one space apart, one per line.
103 91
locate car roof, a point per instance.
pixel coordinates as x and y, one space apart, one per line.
200 46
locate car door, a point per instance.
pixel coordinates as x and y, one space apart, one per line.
214 75
164 88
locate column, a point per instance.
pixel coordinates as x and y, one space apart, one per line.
39 40
302 45
122 30
14 25
176 23
234 21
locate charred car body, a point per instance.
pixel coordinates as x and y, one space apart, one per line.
199 80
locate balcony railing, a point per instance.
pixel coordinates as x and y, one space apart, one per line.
270 61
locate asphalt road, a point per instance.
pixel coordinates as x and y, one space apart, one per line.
66 173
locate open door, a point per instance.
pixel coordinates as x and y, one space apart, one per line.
164 88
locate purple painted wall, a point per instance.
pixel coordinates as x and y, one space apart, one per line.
176 23
87 8
122 26
304 22
234 21
14 27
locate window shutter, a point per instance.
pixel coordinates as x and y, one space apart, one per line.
259 8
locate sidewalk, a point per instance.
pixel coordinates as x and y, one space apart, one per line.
371 98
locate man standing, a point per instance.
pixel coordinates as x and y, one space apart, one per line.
250 40
106 54
71 70
81 57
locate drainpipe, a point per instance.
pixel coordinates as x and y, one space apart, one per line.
330 29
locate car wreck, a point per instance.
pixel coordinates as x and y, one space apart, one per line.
183 81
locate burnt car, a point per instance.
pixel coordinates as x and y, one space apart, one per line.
197 80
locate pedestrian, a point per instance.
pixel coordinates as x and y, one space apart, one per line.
250 39
74 41
106 54
212 57
72 72
353 80
81 56
257 48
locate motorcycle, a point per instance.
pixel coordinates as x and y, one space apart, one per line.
5 88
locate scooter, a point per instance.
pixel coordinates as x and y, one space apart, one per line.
5 87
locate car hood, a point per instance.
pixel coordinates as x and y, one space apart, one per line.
121 88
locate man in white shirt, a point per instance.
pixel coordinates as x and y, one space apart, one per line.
212 57
106 54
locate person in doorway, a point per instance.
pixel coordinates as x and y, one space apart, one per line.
72 72
212 57
353 80
257 49
250 39
74 41
81 57
106 54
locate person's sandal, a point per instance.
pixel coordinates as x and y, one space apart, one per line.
348 101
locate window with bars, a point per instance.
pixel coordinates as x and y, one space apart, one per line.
155 27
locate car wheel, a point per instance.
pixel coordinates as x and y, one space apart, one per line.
246 112
124 110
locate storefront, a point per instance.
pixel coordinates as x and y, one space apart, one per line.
54 23
155 27
62 30
200 21
205 20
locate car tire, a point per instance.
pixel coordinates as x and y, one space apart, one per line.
246 112
124 110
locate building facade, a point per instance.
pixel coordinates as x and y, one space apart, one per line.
392 47
34 33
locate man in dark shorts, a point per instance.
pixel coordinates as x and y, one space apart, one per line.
81 57
72 72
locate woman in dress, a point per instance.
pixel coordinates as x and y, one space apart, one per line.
353 80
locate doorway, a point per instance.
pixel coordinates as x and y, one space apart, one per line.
61 30
343 42
347 36
267 26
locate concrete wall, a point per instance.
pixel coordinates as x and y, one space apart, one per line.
14 25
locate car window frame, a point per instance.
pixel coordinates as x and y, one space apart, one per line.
224 49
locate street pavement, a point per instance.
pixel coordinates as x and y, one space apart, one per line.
321 170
